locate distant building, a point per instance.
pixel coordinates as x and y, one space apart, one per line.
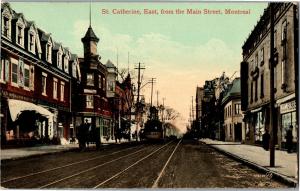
233 117
255 74
35 81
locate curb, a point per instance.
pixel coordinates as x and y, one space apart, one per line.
275 175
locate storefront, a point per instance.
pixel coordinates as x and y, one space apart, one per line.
288 120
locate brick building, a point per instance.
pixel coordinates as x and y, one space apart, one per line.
35 75
255 74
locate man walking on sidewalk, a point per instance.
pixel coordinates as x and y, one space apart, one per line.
266 140
289 139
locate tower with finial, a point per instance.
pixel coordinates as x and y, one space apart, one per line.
90 40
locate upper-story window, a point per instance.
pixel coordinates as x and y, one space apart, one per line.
62 91
89 101
74 69
20 35
26 76
6 23
66 63
275 40
284 32
90 79
256 60
31 42
49 52
237 109
55 88
44 84
261 56
100 81
6 26
2 66
104 84
59 59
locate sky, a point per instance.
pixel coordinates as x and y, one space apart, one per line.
180 50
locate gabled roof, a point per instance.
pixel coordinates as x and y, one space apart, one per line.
44 36
56 45
109 64
90 36
73 57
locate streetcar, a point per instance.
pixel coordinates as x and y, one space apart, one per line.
153 130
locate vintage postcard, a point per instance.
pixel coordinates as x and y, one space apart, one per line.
149 94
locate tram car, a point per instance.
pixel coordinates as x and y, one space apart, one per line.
153 130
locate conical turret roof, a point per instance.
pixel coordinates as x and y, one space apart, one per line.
90 36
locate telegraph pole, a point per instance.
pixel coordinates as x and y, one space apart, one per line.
157 98
192 109
152 81
272 96
139 68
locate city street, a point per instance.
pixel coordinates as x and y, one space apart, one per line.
172 164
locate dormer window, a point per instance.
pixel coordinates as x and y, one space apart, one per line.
66 64
59 60
20 35
31 42
74 70
6 27
48 52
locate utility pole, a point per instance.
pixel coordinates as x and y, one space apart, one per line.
139 68
152 81
192 109
272 96
157 98
163 108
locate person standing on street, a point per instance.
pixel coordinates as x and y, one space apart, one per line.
289 139
265 140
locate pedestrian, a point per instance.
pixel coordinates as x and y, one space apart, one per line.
266 139
289 139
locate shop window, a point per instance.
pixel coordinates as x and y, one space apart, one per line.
287 120
90 79
259 126
89 101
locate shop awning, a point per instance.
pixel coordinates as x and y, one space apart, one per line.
17 106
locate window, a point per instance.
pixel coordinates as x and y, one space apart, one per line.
21 71
251 92
54 88
6 28
100 82
284 32
2 66
62 91
59 60
66 64
26 76
44 84
237 109
14 73
261 60
255 95
89 101
111 86
74 69
90 79
31 42
275 40
20 35
261 85
48 52
256 60
104 83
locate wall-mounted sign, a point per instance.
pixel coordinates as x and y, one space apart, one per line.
288 107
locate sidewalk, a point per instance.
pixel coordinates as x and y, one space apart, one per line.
285 163
10 154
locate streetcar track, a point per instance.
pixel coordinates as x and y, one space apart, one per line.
135 163
155 184
64 166
89 169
